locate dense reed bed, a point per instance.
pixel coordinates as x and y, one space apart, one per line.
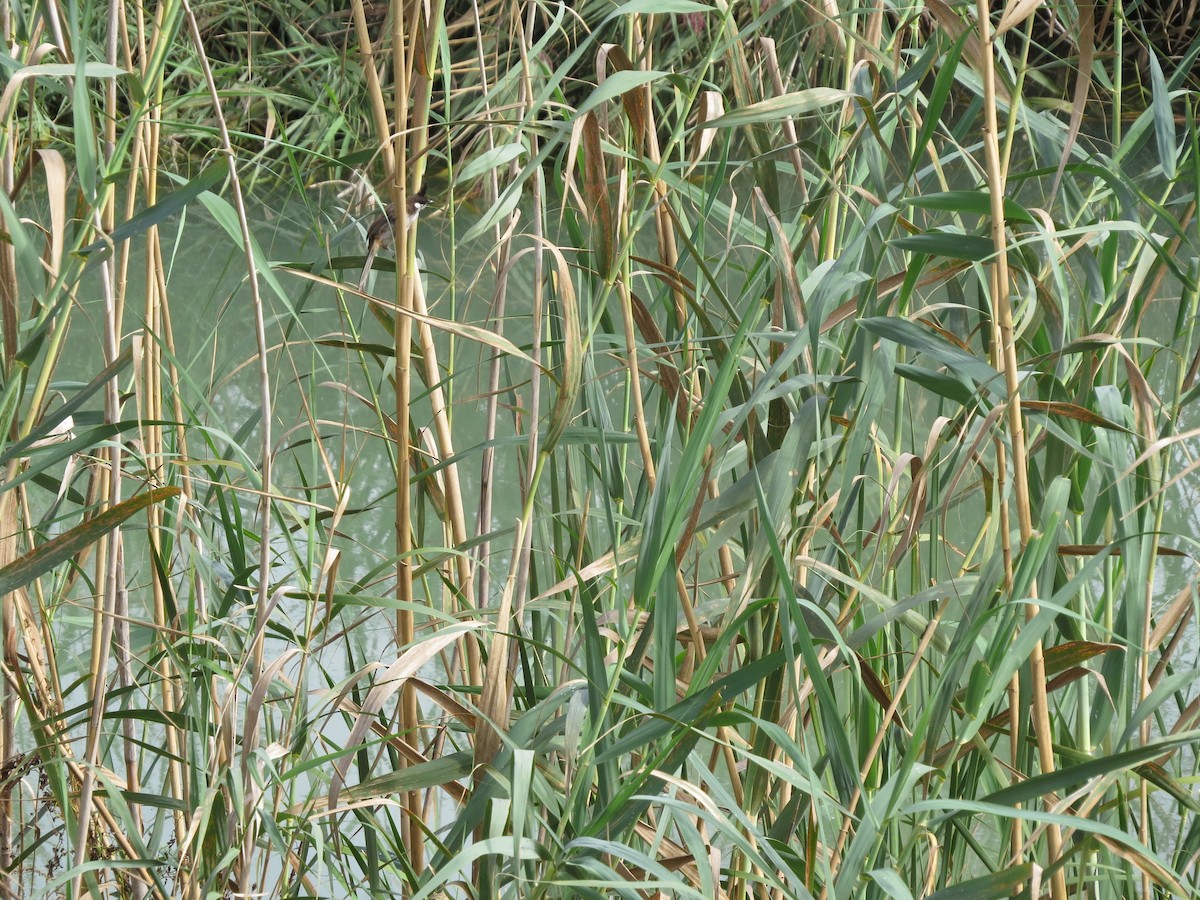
764 475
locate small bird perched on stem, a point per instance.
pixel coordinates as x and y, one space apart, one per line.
382 232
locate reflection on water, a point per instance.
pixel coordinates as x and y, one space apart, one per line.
330 368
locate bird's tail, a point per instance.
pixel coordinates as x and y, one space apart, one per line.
366 270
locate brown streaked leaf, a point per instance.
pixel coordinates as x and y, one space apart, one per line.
1095 549
1148 865
633 100
1071 411
42 559
674 856
934 275
445 701
1074 653
1157 775
998 724
689 531
839 315
1179 609
595 192
570 186
877 689
672 277
948 335
668 374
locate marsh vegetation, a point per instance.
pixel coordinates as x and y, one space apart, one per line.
763 473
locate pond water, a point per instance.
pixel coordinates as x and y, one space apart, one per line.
329 357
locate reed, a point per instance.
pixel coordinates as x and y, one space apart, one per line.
764 474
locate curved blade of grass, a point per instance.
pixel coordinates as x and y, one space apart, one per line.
1164 119
910 334
942 86
59 415
1065 779
996 886
160 212
797 103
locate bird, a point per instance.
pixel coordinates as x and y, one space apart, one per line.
382 232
